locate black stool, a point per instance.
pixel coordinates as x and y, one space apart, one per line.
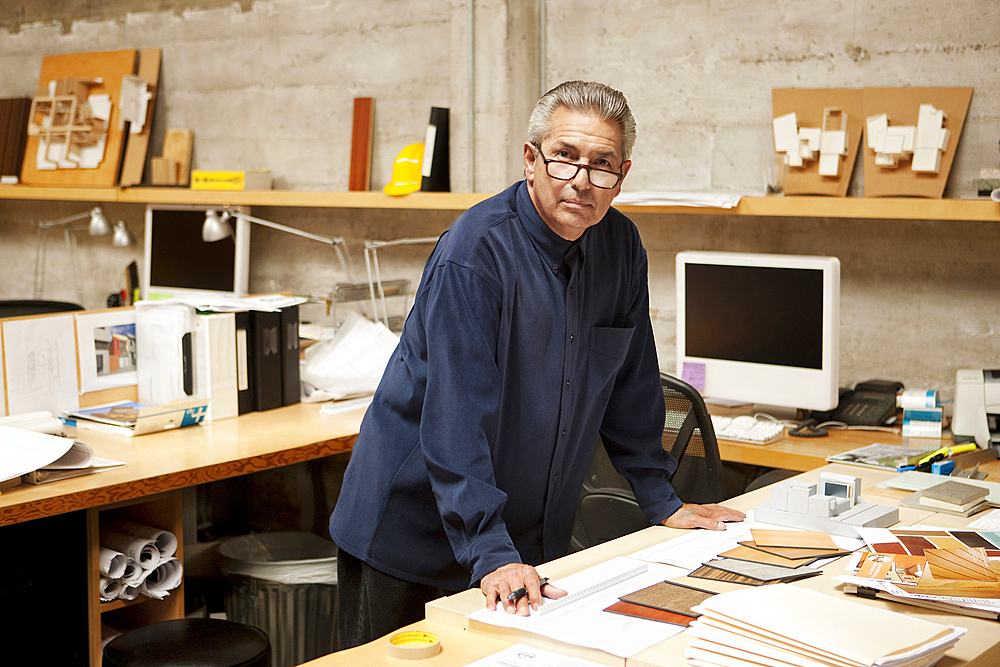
190 642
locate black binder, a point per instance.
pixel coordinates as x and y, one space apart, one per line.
265 348
291 390
245 375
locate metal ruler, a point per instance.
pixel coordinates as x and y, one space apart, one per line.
552 605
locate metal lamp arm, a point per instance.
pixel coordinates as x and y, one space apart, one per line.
291 230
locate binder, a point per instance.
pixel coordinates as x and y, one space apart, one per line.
244 364
265 349
215 376
291 388
435 169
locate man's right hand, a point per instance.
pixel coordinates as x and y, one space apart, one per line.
503 581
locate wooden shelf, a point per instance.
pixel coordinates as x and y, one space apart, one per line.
901 208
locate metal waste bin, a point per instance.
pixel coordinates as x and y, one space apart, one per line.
284 583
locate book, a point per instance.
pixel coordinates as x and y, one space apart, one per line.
954 493
291 387
215 376
883 456
265 349
78 460
245 371
129 418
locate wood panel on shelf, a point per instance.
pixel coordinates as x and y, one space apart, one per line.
894 208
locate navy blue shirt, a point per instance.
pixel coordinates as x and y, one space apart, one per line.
520 348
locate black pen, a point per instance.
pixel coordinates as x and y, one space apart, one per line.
521 592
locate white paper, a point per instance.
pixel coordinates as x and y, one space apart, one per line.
523 655
111 563
41 421
225 303
23 451
162 579
989 521
164 540
142 550
584 622
78 456
40 364
710 199
352 362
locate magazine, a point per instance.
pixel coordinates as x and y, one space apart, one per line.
884 456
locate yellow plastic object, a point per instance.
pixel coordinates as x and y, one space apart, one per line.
406 171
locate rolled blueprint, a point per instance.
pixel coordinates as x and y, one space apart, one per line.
110 588
166 542
132 574
112 563
142 550
128 592
162 579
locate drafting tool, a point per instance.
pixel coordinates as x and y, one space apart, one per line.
552 605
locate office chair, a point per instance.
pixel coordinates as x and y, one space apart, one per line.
21 307
608 508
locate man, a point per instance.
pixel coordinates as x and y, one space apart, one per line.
529 336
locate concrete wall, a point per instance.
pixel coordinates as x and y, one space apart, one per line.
269 84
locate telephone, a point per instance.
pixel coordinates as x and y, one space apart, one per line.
870 403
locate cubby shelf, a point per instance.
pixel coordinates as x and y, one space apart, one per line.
899 208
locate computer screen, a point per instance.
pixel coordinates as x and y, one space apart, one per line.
760 328
176 262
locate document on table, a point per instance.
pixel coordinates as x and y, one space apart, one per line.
584 622
522 655
689 551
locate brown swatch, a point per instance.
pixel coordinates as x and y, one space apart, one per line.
669 596
653 614
799 539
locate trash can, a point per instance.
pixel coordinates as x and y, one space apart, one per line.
284 583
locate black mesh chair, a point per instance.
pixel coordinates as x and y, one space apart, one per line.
607 506
22 307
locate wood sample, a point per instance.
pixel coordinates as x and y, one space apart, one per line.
110 67
361 143
806 539
177 146
902 106
650 613
965 564
137 144
669 596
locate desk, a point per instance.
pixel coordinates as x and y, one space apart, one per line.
979 647
159 466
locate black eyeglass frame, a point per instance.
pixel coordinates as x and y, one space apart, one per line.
578 166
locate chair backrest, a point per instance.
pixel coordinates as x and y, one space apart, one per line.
607 507
21 307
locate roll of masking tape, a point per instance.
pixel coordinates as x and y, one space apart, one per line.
413 645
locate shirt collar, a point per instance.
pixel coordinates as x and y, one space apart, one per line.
551 247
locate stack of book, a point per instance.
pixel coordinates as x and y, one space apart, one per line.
950 497
792 626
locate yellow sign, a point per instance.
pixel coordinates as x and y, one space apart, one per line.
217 180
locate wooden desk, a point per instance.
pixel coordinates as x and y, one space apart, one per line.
979 647
148 489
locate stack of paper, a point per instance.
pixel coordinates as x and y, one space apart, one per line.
785 625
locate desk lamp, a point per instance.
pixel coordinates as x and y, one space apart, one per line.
375 284
217 227
99 226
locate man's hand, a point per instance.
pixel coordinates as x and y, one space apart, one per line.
500 583
711 517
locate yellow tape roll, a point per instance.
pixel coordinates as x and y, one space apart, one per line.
413 645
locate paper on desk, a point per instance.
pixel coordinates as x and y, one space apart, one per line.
352 362
695 547
225 303
652 198
23 451
522 655
918 481
584 622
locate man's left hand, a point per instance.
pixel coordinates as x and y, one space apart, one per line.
712 517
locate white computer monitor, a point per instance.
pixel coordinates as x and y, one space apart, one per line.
176 262
760 328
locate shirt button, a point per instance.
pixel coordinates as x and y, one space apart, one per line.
571 337
567 383
564 433
555 267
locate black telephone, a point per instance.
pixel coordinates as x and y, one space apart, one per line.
870 403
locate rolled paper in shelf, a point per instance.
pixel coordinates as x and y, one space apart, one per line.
162 579
112 563
142 550
110 588
166 542
132 574
128 592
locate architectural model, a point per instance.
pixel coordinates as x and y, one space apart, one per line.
801 144
922 144
833 505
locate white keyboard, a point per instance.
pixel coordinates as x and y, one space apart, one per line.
747 428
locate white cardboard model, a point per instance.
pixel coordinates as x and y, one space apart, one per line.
834 505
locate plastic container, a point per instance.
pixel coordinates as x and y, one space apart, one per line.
285 584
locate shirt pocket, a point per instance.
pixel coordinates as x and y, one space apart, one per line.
608 347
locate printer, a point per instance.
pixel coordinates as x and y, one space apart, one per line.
977 407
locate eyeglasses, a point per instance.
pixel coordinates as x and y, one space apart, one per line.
567 171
